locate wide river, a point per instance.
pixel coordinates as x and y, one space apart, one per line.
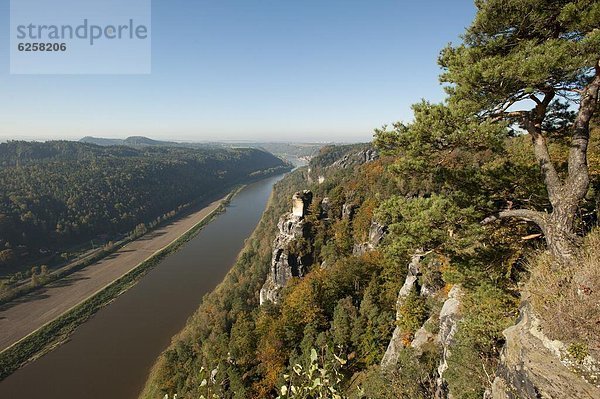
109 356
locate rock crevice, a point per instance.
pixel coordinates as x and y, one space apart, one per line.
397 342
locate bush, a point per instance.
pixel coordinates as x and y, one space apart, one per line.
414 378
318 380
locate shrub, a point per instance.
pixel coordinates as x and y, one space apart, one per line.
319 380
414 378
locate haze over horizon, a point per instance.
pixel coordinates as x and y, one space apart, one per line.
231 70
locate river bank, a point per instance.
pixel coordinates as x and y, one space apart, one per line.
42 320
111 354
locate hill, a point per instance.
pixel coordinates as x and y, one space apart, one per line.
57 195
297 153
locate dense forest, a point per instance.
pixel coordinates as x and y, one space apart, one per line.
60 194
289 151
415 255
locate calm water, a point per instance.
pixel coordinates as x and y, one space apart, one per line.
109 357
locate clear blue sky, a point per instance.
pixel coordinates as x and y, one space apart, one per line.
302 70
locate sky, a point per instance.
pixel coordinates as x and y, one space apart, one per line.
275 70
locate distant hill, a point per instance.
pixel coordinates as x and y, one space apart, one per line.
297 153
101 141
145 141
133 141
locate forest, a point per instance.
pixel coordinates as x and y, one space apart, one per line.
60 195
346 309
486 206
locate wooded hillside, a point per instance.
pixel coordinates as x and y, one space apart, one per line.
58 194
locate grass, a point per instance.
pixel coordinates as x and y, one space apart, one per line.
57 331
568 299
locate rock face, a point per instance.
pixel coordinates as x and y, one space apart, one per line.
325 207
376 233
448 324
285 263
532 366
357 158
300 203
350 159
397 343
347 211
449 318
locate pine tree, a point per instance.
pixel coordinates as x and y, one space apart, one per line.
535 64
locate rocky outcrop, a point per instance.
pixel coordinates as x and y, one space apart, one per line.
397 342
347 211
532 366
423 336
376 233
347 158
300 203
285 261
356 158
325 207
449 318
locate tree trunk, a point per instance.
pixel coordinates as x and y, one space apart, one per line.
558 227
565 196
559 233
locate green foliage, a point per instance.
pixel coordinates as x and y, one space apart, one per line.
342 237
242 342
433 223
437 130
314 381
517 48
414 377
441 150
488 310
578 351
412 314
345 315
373 327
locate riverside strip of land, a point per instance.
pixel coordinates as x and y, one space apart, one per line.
24 316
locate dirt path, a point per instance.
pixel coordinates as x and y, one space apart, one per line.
30 312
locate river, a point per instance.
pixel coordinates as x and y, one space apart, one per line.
110 356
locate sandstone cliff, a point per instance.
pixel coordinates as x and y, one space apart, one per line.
287 260
447 322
